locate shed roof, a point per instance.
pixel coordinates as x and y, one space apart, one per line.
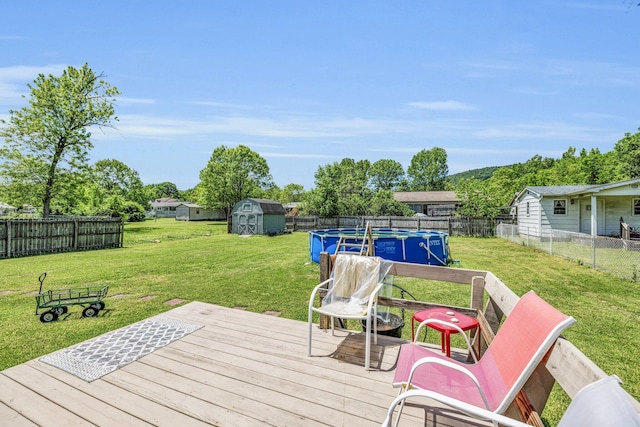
426 196
270 207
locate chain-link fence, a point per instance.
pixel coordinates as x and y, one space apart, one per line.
613 255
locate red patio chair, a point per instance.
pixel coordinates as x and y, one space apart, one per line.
493 382
600 404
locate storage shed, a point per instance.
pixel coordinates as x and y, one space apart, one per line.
258 216
193 212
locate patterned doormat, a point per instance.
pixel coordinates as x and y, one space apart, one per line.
92 359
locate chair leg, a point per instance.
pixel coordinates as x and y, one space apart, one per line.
367 345
400 408
310 332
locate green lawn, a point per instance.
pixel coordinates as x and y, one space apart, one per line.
166 259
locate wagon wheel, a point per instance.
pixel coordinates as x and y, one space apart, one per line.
90 312
60 310
48 316
98 305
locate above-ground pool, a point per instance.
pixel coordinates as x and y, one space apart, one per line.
422 247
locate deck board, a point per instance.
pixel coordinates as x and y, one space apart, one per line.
241 368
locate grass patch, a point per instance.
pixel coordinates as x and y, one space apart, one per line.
168 260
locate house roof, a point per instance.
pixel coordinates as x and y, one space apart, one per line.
574 190
166 202
426 196
4 205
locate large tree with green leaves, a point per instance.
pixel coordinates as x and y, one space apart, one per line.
341 189
428 170
627 151
386 174
232 174
49 139
115 177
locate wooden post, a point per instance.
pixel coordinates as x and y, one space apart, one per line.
325 273
9 238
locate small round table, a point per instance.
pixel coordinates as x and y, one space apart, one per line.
464 322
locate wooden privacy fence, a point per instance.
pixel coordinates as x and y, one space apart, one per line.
453 226
24 237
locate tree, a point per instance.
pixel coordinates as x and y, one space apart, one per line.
341 189
386 174
476 199
50 138
232 174
384 204
292 193
117 178
628 154
164 189
428 170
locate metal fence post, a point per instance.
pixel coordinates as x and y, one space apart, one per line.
551 243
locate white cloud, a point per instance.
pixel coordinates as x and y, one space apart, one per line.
13 80
26 73
135 101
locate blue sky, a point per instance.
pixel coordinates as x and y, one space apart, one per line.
307 83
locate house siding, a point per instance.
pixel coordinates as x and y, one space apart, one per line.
570 221
529 224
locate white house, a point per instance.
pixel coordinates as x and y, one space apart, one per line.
164 207
192 212
6 209
590 209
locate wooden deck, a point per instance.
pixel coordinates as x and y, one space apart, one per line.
240 369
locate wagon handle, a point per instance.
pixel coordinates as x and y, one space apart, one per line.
41 279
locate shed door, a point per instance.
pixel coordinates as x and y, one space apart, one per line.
247 224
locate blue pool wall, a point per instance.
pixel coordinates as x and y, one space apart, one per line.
392 244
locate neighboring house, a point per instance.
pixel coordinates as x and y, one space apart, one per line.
430 203
192 212
6 209
291 208
589 209
258 216
164 207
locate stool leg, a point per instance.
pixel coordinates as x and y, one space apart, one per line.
448 343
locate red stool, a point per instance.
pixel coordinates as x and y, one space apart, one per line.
463 321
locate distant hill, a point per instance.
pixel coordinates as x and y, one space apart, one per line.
482 174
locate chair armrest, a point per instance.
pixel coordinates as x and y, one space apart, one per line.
450 325
315 291
450 365
472 410
374 295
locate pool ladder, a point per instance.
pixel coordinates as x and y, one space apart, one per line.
365 243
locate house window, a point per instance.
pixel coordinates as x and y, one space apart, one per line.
528 209
559 207
636 206
587 208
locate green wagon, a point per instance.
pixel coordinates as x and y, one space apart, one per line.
56 301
